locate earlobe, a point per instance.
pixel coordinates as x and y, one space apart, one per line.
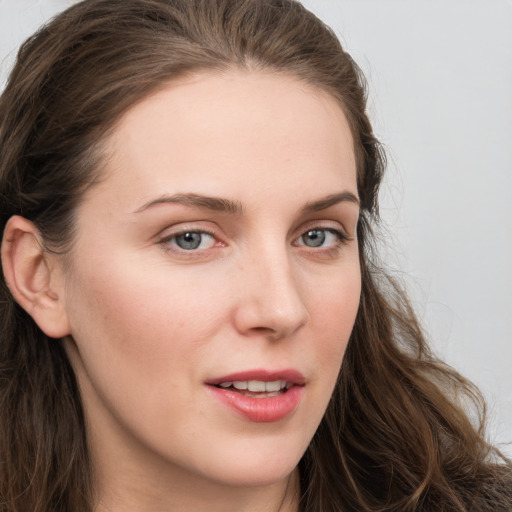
31 277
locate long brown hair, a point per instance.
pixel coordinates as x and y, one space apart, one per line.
396 434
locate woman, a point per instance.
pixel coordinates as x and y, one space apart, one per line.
193 317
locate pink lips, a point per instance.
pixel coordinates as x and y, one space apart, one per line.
260 410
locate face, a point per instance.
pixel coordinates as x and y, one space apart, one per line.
215 280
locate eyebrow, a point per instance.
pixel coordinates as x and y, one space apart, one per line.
327 202
218 204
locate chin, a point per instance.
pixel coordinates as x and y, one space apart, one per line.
255 466
261 476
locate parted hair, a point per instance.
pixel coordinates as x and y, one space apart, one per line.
402 432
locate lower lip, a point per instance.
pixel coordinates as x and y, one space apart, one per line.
261 410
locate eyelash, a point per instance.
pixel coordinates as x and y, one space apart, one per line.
341 239
330 250
166 242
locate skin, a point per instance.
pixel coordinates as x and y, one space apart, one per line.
150 322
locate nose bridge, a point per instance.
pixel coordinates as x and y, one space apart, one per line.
271 300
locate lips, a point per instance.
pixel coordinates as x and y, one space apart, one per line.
288 375
260 395
258 388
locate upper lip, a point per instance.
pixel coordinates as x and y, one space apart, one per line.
289 375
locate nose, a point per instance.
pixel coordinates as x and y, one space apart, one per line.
270 302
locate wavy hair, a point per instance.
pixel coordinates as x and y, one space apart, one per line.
396 434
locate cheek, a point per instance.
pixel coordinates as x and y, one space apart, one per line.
140 336
333 317
334 305
138 316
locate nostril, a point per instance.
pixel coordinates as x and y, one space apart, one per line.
263 331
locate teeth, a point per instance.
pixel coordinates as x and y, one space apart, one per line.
257 386
273 386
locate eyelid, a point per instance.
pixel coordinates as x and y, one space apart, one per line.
167 235
182 228
189 227
340 239
333 226
330 252
172 240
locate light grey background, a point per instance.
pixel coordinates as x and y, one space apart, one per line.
440 76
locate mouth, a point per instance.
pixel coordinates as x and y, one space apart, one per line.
257 388
260 395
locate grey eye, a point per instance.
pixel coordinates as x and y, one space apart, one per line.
314 238
189 241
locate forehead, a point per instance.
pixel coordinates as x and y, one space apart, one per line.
242 127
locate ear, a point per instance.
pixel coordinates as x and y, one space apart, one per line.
34 276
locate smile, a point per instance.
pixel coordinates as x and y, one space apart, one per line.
258 388
260 396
